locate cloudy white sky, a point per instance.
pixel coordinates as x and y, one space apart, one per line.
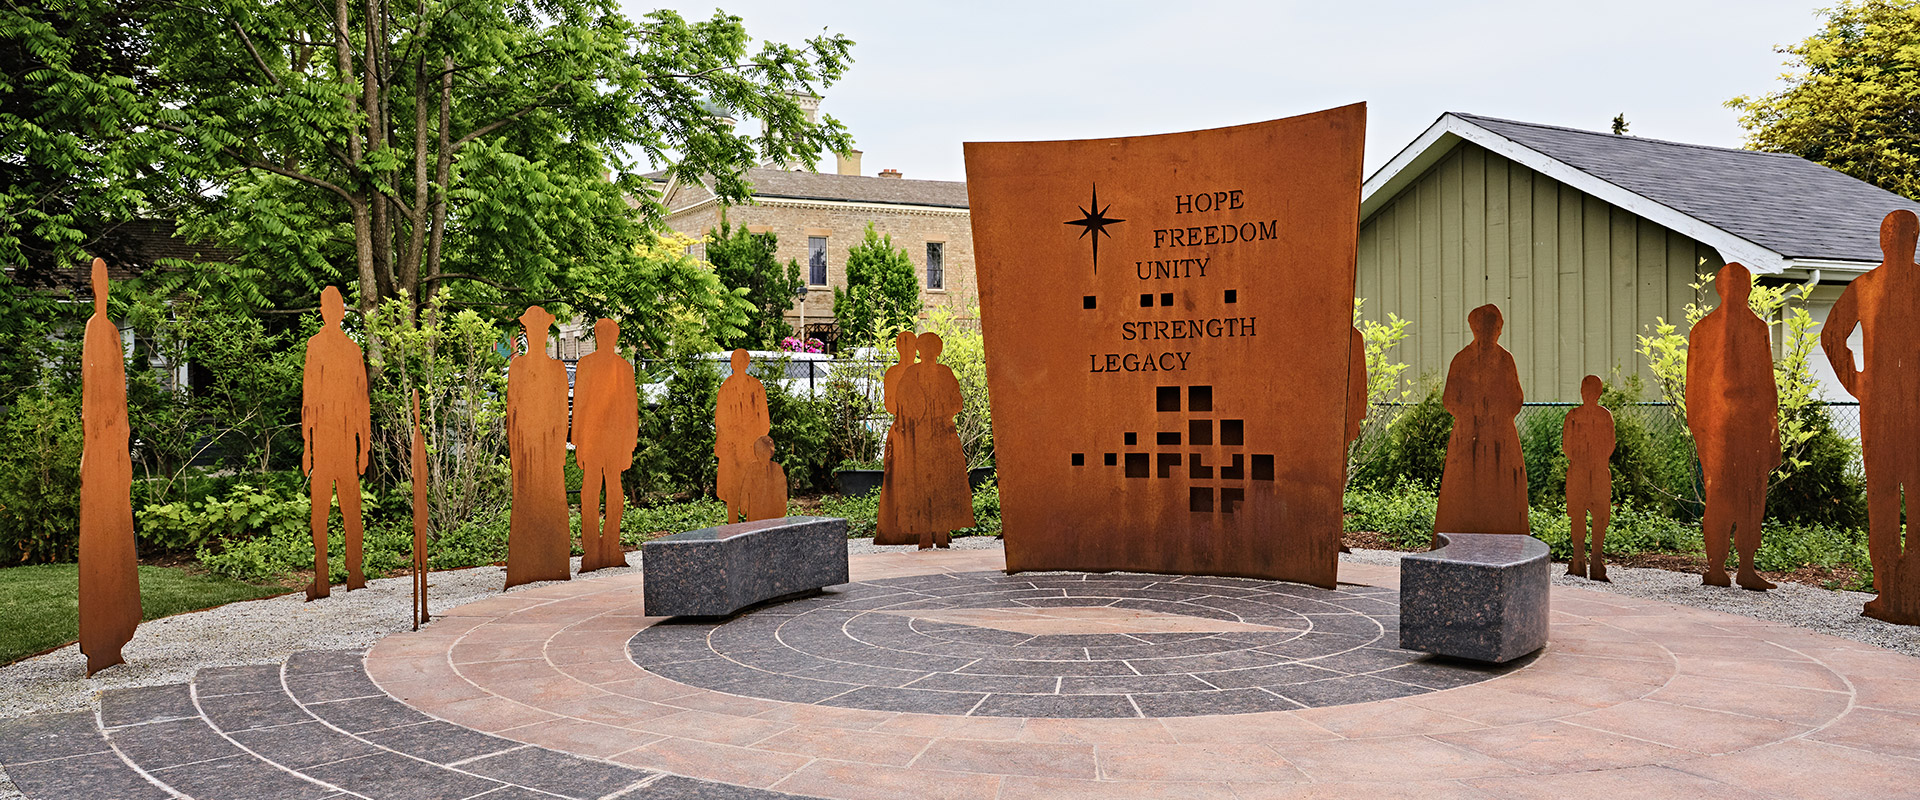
928 76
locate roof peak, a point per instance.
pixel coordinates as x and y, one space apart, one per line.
1612 136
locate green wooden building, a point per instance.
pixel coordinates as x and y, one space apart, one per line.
1584 239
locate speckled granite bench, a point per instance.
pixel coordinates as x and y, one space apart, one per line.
1478 596
713 572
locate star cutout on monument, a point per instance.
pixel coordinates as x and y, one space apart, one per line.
1095 222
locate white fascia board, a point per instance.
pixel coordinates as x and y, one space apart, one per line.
1449 130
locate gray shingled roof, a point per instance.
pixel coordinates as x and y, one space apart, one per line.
1783 202
791 185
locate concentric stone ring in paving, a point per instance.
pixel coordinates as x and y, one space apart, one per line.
1060 645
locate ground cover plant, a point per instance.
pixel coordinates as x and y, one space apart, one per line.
41 608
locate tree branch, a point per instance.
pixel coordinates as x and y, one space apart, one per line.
272 79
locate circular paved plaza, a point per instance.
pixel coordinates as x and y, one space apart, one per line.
1060 645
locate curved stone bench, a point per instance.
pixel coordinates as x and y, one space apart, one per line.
713 572
1479 596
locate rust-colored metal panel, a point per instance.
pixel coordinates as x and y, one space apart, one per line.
739 420
1167 324
109 578
1884 304
1732 410
606 428
924 495
419 455
1587 439
1483 487
336 426
538 537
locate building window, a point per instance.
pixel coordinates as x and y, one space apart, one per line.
817 260
936 265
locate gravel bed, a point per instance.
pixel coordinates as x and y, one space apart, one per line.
1836 613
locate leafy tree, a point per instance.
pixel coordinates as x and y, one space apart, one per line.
882 293
406 147
1849 101
663 299
744 263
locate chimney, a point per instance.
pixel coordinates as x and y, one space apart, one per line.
850 163
889 173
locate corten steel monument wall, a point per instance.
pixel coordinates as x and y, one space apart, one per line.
1167 323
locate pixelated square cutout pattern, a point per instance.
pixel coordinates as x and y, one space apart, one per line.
1171 438
1079 459
1262 467
1112 459
1137 465
1233 432
1233 296
1168 462
1231 499
1088 302
1197 470
1166 298
1199 399
1146 301
1236 471
1132 438
1166 398
1200 432
1200 499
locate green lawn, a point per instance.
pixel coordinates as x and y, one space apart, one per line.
39 605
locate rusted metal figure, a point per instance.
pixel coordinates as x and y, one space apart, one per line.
109 577
1175 400
739 420
1587 439
1484 486
539 539
1356 394
934 498
419 455
1885 304
766 484
1732 410
336 425
606 424
887 527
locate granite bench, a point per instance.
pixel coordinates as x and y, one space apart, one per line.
714 572
1478 596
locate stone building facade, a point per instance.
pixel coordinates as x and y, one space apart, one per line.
817 218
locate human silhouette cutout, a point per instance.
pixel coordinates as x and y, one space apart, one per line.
1732 410
1483 488
766 486
539 537
1587 438
109 578
895 483
336 424
941 500
1884 305
606 428
739 419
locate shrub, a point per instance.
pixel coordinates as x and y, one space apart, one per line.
1540 439
676 437
40 445
1403 512
1827 489
641 523
1631 530
1415 446
244 512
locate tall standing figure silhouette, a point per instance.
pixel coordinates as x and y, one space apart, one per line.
1732 410
1587 438
336 425
942 501
1483 488
739 420
606 429
895 483
109 581
1884 305
539 538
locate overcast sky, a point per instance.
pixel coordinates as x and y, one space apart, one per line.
928 76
